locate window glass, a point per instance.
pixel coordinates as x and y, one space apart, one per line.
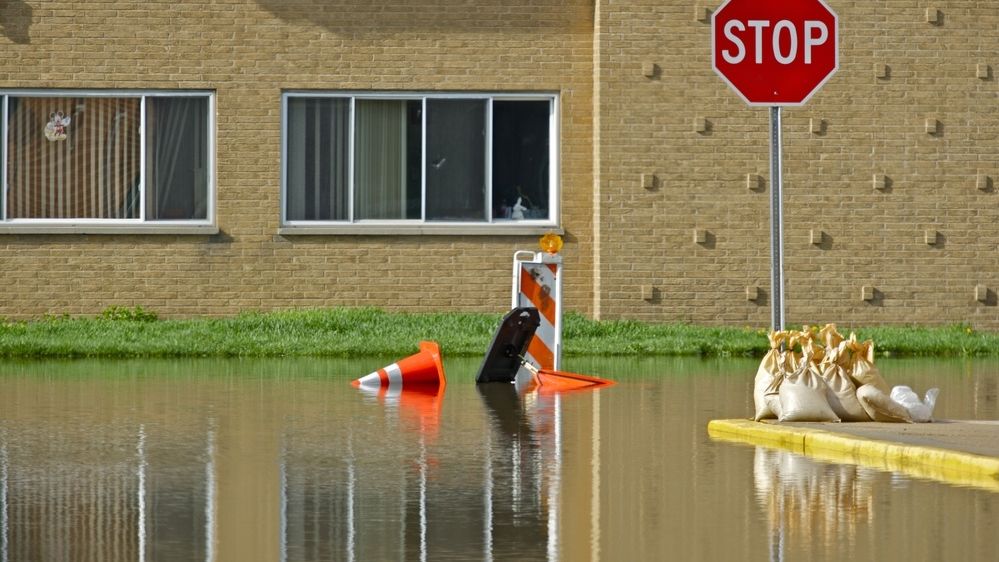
520 159
456 160
73 157
177 158
417 158
106 158
387 156
317 153
3 155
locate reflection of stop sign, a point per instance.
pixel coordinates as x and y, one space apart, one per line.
774 52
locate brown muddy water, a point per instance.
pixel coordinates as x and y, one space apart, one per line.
242 460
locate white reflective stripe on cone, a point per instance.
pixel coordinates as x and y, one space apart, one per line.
394 375
390 376
374 380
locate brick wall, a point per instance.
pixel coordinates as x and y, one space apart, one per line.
897 70
864 180
249 52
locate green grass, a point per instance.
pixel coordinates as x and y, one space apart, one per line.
343 332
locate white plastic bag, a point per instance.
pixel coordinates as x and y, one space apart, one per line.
803 396
920 411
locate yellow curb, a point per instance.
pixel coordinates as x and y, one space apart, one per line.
943 465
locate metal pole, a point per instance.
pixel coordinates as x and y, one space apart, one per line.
776 222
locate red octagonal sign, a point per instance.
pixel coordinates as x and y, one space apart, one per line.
774 52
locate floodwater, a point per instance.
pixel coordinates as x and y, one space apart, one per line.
242 460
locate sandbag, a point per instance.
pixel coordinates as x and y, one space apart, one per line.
862 369
770 369
831 338
880 407
803 396
811 344
920 411
841 393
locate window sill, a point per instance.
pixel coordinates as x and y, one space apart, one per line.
420 230
80 228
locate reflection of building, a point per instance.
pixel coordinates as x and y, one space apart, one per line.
107 493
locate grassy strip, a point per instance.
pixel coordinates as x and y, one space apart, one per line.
367 331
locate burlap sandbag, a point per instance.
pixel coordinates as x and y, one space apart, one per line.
862 369
841 393
830 337
771 370
880 406
803 395
811 344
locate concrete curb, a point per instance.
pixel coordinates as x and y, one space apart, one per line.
953 467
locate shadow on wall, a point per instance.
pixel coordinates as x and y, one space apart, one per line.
15 19
386 16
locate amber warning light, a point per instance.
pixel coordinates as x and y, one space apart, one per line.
551 243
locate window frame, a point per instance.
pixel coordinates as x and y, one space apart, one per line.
422 225
140 225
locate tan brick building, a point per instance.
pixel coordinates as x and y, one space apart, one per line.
207 157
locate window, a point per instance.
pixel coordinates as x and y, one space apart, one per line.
419 159
106 158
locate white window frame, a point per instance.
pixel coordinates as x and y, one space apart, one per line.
421 225
114 226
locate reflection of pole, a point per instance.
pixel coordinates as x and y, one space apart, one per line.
515 473
595 482
210 493
3 495
554 485
423 499
487 530
351 477
777 533
776 222
283 508
141 493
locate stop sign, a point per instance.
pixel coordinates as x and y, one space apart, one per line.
774 52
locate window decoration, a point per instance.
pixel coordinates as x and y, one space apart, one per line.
55 129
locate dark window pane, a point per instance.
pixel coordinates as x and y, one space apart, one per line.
317 158
456 146
520 159
387 137
177 158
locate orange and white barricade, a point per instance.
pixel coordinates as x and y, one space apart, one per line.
537 282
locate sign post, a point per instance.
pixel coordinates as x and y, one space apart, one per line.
775 53
776 222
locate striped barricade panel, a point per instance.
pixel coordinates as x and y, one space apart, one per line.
537 284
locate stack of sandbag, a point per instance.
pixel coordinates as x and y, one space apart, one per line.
818 375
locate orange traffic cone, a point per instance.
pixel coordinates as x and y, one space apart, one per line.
423 368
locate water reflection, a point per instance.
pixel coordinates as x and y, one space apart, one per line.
105 492
515 478
811 502
497 495
284 460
